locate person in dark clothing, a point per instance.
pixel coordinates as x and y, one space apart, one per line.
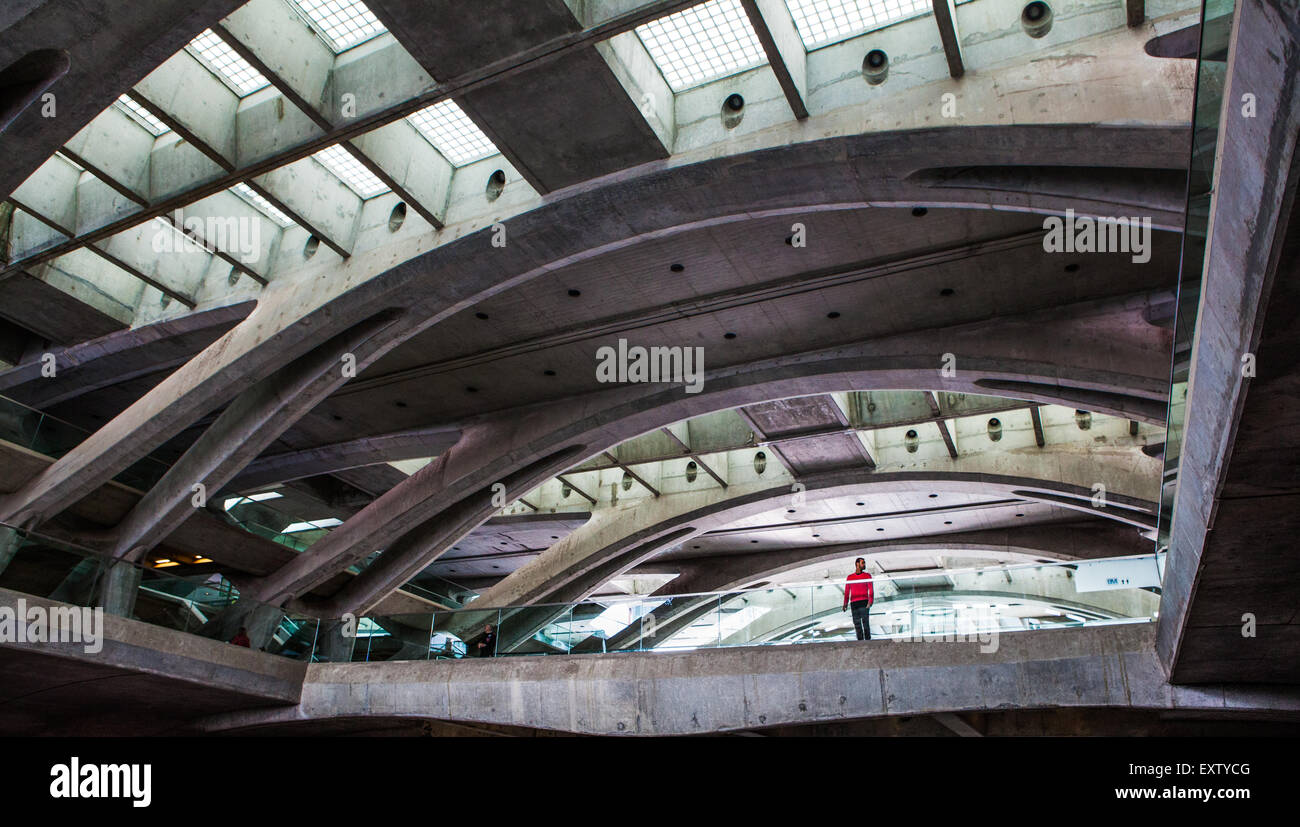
487 647
859 595
241 639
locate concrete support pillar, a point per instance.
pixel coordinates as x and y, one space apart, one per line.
9 545
118 589
261 624
78 587
332 645
251 423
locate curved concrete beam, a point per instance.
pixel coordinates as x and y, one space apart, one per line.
298 312
109 51
495 449
616 539
1053 541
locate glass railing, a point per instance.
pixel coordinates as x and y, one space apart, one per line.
1210 75
951 604
46 434
956 604
204 604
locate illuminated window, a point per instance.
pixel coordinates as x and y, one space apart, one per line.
821 22
231 502
226 64
142 116
350 171
328 522
452 133
247 193
341 23
702 43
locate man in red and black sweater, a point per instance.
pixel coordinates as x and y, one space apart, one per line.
858 594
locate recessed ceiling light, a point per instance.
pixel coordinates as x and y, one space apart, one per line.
728 335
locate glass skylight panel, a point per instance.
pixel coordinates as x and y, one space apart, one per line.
350 171
342 23
226 63
452 133
231 502
702 43
247 193
142 116
328 522
821 22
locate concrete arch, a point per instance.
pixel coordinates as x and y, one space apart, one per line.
615 540
440 499
1074 541
301 311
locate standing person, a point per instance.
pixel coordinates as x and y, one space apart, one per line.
487 647
859 593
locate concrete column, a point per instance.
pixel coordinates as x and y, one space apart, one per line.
9 545
78 587
261 624
251 423
118 589
331 644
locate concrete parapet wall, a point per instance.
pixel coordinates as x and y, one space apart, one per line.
143 648
717 690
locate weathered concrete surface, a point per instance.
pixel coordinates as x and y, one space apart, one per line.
202 534
1236 513
729 689
616 539
110 52
523 447
300 311
146 679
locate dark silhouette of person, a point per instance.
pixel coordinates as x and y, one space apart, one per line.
487 647
859 594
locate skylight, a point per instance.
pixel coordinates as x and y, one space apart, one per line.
247 193
142 116
231 502
452 133
822 22
350 171
226 64
328 522
341 23
702 43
